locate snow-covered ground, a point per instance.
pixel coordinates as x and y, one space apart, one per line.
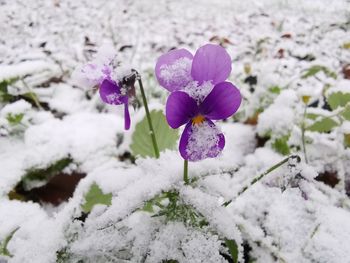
285 53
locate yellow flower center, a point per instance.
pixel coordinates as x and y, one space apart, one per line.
198 119
305 99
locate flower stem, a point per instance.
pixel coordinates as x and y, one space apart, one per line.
149 120
303 134
258 178
186 172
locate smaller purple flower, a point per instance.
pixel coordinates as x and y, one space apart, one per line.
100 72
201 138
112 93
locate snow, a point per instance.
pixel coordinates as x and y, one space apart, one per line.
38 236
287 216
342 86
199 93
25 68
15 108
101 67
278 116
179 71
203 141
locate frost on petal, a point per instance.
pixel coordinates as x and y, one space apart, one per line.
177 74
201 141
80 77
111 93
91 74
198 93
173 69
94 72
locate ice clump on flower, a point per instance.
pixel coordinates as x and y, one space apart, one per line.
179 71
203 141
100 68
199 93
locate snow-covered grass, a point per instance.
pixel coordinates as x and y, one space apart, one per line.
289 61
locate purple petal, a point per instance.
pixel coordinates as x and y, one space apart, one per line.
180 108
127 120
110 93
173 69
211 63
201 141
223 101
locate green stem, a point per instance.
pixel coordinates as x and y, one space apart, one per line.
303 134
186 172
258 178
149 120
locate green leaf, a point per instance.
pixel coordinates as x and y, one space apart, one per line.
14 119
346 113
338 99
95 196
312 116
32 97
141 139
176 210
3 245
156 201
275 90
44 174
4 95
323 125
148 207
232 247
281 146
317 68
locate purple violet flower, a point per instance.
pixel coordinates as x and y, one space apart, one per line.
100 72
199 95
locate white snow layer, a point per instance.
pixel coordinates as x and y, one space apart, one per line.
274 41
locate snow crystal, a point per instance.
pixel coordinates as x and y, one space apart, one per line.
90 75
177 72
345 127
202 247
276 226
105 54
342 86
278 116
37 238
114 98
199 93
25 68
185 245
93 73
18 107
203 141
327 242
